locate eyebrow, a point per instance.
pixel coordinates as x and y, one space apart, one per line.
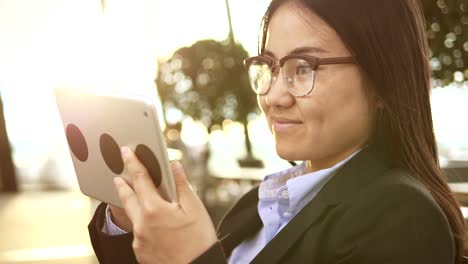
298 50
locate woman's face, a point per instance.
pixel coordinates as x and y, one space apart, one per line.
335 119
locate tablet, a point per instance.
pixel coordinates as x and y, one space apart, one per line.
96 126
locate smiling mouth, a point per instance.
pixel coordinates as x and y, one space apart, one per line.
282 125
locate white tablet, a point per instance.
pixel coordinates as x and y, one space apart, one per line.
96 126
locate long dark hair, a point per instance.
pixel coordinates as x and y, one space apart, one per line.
387 39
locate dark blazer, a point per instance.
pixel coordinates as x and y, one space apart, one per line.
369 212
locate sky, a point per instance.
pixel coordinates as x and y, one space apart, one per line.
81 44
97 45
106 45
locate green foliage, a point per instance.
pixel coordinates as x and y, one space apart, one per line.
208 82
447 30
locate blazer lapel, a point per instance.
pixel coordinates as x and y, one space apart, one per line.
349 179
241 222
282 242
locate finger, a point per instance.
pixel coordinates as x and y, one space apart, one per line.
183 188
128 198
143 186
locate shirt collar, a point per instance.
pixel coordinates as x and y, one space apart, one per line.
301 186
273 182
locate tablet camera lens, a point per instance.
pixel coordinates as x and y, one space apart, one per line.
149 160
110 152
77 142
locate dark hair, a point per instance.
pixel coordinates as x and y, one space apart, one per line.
387 39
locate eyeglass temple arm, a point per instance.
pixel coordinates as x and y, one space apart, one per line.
338 60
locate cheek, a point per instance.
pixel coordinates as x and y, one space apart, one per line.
339 109
264 108
262 104
343 91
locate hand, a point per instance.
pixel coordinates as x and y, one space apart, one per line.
164 232
120 218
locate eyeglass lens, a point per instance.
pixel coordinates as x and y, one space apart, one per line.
297 73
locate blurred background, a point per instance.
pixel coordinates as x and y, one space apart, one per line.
186 56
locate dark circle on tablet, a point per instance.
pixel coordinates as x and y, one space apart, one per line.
110 151
77 142
149 160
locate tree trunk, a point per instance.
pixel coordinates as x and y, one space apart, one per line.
248 144
7 170
249 160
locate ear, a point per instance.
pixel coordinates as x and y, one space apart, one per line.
376 103
379 104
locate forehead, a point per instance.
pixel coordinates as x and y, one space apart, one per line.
292 26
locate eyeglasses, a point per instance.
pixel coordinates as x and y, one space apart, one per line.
298 72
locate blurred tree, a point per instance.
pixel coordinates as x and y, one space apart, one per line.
447 30
208 82
7 170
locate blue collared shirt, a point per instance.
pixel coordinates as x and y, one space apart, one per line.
281 196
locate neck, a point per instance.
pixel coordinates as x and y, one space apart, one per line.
330 161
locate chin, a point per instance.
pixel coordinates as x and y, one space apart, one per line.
289 152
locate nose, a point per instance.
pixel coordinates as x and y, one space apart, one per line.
278 95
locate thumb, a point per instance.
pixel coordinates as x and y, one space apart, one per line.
182 185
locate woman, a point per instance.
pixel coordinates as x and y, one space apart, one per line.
344 86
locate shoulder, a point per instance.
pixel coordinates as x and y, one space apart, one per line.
397 193
395 214
397 184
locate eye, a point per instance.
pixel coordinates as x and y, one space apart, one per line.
303 69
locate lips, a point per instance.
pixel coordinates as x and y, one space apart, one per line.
282 124
281 120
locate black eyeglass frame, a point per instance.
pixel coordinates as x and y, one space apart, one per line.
314 63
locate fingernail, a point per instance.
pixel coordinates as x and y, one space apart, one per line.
116 181
177 166
125 151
